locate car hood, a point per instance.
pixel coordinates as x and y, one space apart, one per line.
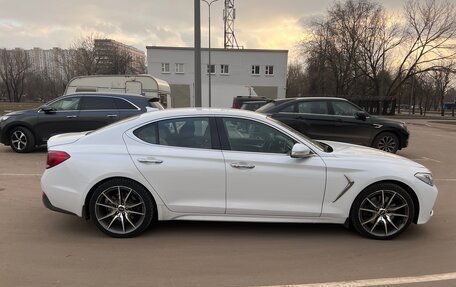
362 153
63 139
380 120
17 113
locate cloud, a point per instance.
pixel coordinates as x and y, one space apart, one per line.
259 23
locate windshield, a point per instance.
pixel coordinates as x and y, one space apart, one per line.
316 144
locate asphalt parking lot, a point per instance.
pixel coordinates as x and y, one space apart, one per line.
39 247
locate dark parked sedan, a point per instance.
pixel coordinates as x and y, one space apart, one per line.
337 119
23 130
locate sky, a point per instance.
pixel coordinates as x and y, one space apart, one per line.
262 24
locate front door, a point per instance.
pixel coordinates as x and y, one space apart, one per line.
63 119
262 179
349 128
182 161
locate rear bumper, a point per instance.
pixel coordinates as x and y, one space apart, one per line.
47 203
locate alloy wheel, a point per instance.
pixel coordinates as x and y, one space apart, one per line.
19 140
384 213
120 210
387 143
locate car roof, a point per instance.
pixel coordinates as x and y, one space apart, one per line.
112 94
308 99
176 112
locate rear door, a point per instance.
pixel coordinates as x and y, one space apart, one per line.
97 111
182 160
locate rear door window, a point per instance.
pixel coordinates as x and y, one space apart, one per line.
313 107
98 103
122 104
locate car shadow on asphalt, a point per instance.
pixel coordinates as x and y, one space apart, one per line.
77 227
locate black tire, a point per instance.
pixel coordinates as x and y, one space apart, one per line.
127 217
382 211
21 140
386 141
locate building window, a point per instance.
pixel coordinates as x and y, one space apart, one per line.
211 69
165 68
179 68
269 70
255 70
224 69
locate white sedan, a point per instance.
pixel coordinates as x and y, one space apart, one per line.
229 165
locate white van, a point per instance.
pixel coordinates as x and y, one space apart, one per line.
144 84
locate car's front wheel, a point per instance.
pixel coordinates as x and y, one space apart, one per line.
382 211
386 141
22 140
121 208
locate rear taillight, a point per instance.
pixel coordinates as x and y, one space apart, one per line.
56 157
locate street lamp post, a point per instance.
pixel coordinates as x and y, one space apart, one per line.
209 3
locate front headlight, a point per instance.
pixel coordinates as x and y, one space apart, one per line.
4 118
425 177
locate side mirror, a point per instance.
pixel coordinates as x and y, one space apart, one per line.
46 109
300 151
361 115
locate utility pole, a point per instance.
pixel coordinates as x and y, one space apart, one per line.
209 3
197 49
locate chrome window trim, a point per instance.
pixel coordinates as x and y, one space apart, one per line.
310 145
102 96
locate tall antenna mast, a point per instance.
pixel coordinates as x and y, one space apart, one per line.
229 15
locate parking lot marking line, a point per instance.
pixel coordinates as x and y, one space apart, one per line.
21 174
380 282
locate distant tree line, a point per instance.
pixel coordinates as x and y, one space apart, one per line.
19 80
380 60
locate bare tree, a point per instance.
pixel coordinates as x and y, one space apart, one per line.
431 27
84 57
295 80
441 82
14 65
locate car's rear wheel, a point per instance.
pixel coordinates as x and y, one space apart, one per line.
22 140
387 141
121 208
382 211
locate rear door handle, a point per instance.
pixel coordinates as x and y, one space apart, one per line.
150 160
72 116
112 116
242 165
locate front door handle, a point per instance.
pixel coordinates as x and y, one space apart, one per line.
242 165
150 160
72 116
112 116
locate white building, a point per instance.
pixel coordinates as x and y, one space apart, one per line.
234 73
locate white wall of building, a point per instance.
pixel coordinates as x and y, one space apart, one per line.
224 86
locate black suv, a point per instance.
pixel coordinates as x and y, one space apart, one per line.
240 100
337 119
23 130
